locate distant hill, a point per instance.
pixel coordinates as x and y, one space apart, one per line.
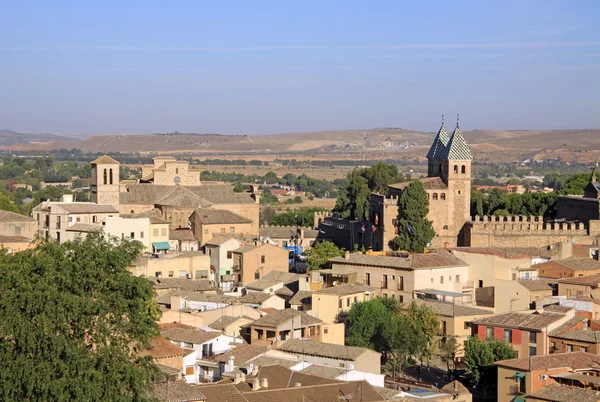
12 140
488 145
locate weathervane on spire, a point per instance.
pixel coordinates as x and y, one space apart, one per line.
457 119
442 119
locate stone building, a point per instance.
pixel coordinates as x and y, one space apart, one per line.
172 189
448 188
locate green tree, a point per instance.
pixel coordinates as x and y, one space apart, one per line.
302 217
414 230
7 204
271 178
72 319
575 184
319 255
448 348
367 323
480 356
238 188
354 195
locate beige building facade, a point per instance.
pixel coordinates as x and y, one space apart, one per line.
250 263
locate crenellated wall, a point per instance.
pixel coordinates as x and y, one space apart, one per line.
523 231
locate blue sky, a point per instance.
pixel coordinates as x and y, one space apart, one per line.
254 67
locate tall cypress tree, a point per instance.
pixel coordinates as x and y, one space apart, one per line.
414 230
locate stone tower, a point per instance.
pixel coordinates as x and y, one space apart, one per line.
105 181
436 152
456 174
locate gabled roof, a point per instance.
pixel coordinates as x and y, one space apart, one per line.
457 148
322 349
160 348
189 334
178 391
7 216
223 322
302 297
566 326
563 393
587 280
154 215
208 216
181 196
279 317
572 263
105 160
535 285
574 360
439 144
84 208
85 227
151 194
535 321
182 235
220 240
255 298
242 353
429 183
272 278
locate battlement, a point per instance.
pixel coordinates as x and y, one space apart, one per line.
320 217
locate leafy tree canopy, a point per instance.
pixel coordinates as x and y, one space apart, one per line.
72 318
319 255
7 204
575 184
414 230
302 217
354 196
480 356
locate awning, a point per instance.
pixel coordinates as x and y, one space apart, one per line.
161 245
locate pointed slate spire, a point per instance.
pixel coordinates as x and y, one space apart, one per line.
457 148
438 148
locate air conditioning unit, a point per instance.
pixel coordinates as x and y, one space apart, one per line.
543 377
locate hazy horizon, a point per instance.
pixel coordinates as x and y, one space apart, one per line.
270 67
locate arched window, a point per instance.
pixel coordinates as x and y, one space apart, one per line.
105 176
111 176
463 169
455 168
442 196
434 196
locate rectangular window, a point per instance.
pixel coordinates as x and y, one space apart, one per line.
400 283
70 218
431 280
231 229
467 326
141 235
583 348
532 351
132 235
58 237
78 219
508 335
401 299
257 275
155 232
441 279
229 255
205 231
532 337
222 230
340 303
355 299
325 330
457 278
263 259
367 279
189 370
187 345
204 274
489 332
348 302
444 328
94 218
569 348
163 231
171 274
384 282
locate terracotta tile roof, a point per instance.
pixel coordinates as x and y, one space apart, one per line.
510 252
183 197
573 360
194 296
573 263
189 335
161 348
535 285
520 320
272 278
221 393
105 160
278 317
302 297
285 232
182 235
563 393
208 216
314 348
223 322
266 360
346 289
354 390
455 387
553 308
86 208
587 280
323 371
154 215
284 291
220 240
151 194
178 392
85 227
255 298
453 310
438 259
242 354
7 216
566 326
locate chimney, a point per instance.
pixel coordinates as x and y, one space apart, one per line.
347 256
565 250
255 384
238 378
254 369
230 363
264 383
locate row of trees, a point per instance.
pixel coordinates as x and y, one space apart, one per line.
498 202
